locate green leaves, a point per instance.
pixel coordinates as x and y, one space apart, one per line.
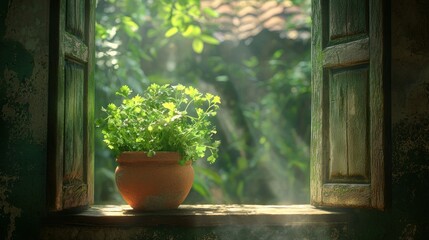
209 39
198 45
211 12
164 118
192 31
186 17
130 27
130 24
171 32
124 91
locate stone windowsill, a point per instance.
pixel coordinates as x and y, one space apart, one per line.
201 216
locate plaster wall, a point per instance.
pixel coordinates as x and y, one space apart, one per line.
407 217
23 115
410 118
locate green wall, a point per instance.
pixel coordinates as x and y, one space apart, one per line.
408 216
23 116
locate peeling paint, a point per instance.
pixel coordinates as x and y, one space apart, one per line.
306 231
409 232
7 208
410 173
24 45
25 69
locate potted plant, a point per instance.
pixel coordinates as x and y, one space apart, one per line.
156 136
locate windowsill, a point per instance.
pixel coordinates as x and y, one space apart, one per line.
201 216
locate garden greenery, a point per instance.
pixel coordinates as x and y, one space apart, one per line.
264 83
164 118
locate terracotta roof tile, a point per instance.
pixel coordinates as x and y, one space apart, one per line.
241 19
274 23
247 10
249 19
269 13
268 5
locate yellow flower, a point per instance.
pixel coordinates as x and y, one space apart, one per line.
137 99
180 87
169 105
191 91
209 96
216 99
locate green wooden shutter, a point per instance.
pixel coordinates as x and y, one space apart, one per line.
71 103
348 104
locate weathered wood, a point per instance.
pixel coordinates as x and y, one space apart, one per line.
348 195
89 101
73 148
337 17
69 118
79 162
378 105
318 144
357 17
75 17
71 104
339 55
357 121
75 48
75 193
338 125
56 108
203 216
347 19
348 126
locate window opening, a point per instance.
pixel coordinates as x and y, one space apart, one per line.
254 54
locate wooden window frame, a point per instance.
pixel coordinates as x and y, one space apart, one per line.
212 213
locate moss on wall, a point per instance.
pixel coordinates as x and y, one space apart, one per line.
407 218
303 231
23 116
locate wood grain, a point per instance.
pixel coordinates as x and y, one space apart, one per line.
75 48
75 194
348 104
56 108
357 120
338 109
73 153
378 107
75 17
346 195
347 19
72 168
71 104
318 144
340 55
89 101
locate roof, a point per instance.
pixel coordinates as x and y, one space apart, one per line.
240 19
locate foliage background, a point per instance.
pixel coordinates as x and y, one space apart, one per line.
264 83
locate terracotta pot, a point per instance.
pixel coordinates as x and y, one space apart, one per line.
153 183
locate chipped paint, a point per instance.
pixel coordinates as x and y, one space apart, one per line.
304 231
407 218
6 207
24 77
26 72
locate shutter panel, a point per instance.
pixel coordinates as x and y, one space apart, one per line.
348 104
71 103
